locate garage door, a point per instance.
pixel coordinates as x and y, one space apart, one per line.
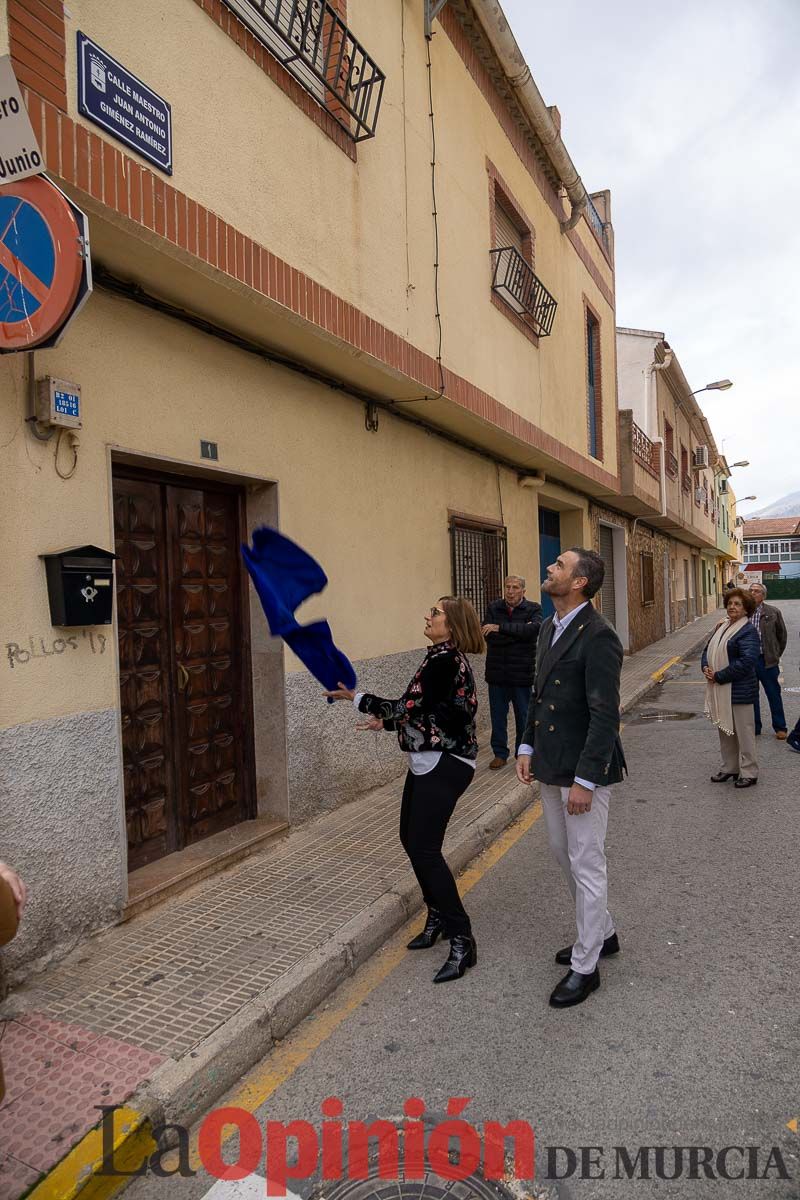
607 592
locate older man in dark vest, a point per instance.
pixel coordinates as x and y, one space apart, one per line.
571 745
511 627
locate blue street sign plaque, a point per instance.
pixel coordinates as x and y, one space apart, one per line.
120 103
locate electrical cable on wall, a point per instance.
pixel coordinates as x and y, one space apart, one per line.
435 215
73 438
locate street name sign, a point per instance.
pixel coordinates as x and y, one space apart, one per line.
119 102
20 156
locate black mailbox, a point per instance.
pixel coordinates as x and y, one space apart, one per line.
80 585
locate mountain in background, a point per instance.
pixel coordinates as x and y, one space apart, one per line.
787 506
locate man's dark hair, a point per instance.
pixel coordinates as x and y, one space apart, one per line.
591 565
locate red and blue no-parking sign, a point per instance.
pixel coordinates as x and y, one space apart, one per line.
44 264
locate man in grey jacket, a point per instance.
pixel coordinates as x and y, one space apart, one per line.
771 630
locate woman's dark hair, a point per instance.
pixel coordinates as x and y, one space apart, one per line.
465 628
591 566
748 602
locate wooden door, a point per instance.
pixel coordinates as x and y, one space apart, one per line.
145 670
184 680
207 644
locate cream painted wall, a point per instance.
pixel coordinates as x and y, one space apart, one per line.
245 150
372 507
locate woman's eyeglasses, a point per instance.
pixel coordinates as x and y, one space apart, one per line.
438 612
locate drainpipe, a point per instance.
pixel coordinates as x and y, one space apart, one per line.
662 450
530 100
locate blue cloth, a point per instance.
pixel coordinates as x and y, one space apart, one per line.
284 575
743 652
768 678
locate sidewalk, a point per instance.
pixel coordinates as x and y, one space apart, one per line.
172 1007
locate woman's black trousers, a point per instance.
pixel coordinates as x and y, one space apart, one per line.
428 803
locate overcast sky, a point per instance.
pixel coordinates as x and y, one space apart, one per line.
690 114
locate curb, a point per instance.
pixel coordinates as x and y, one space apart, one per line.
181 1090
641 691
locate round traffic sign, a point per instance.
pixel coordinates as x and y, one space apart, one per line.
41 262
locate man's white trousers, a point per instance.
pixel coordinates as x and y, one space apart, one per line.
578 843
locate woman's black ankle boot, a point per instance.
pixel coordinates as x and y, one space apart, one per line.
463 954
434 929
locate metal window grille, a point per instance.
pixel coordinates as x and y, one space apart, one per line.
515 281
479 562
312 41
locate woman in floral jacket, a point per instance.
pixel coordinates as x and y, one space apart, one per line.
435 724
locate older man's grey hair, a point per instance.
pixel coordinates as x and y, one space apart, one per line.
515 579
763 587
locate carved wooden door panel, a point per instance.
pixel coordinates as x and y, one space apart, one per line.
145 671
184 683
207 644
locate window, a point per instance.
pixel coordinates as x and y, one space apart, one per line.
594 411
647 578
669 437
516 290
479 560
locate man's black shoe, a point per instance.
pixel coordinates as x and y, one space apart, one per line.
743 783
610 946
574 988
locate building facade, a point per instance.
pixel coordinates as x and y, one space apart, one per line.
771 545
281 333
669 464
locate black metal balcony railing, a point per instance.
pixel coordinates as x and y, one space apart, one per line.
313 43
515 281
671 464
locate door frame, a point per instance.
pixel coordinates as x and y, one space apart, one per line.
134 464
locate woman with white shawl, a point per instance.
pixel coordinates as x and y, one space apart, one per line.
729 664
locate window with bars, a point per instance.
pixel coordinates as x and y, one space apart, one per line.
647 576
479 561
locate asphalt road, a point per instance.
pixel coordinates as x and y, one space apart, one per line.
694 1036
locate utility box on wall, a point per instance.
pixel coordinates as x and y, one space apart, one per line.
80 586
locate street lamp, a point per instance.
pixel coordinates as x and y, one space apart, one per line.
746 498
719 385
743 463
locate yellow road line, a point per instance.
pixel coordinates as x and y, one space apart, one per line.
663 670
281 1062
76 1175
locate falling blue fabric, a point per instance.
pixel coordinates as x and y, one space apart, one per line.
284 575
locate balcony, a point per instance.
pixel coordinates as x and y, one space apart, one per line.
596 222
522 290
670 464
640 469
315 46
645 451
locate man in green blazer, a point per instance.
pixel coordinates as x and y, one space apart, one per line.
571 745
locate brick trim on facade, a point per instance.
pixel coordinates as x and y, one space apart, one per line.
238 32
82 159
499 192
37 40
